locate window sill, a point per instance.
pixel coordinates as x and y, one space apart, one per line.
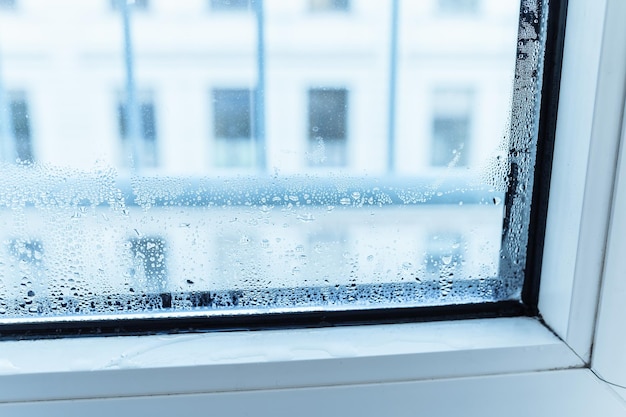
87 368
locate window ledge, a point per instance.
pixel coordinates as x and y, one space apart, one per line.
259 360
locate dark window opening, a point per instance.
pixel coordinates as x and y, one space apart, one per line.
450 139
20 127
232 128
134 4
27 251
147 130
149 263
226 5
456 7
327 129
231 113
444 254
451 127
329 5
7 4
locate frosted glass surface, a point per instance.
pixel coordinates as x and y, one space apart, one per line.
262 156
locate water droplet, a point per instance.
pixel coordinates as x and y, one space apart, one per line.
446 259
308 217
345 201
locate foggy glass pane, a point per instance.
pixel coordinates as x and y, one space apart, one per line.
182 162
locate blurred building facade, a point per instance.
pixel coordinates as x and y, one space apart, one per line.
325 68
230 87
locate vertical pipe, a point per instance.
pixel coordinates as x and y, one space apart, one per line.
393 69
133 133
7 142
259 91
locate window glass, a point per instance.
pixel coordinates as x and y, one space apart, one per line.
20 126
328 5
328 126
135 4
149 269
232 127
458 6
230 4
7 4
147 131
192 163
451 128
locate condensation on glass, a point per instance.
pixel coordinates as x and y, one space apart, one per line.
224 157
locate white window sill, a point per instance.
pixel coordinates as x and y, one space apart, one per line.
85 368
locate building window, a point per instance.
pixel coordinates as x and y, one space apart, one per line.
329 5
147 130
456 7
7 4
27 251
149 263
135 4
20 127
328 126
451 128
26 270
232 127
226 5
444 255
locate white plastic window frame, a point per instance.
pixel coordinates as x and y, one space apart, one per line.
513 366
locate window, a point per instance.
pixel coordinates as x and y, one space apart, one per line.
251 179
232 127
328 126
149 271
444 254
458 7
7 4
147 130
230 4
20 126
134 4
427 364
329 5
452 128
